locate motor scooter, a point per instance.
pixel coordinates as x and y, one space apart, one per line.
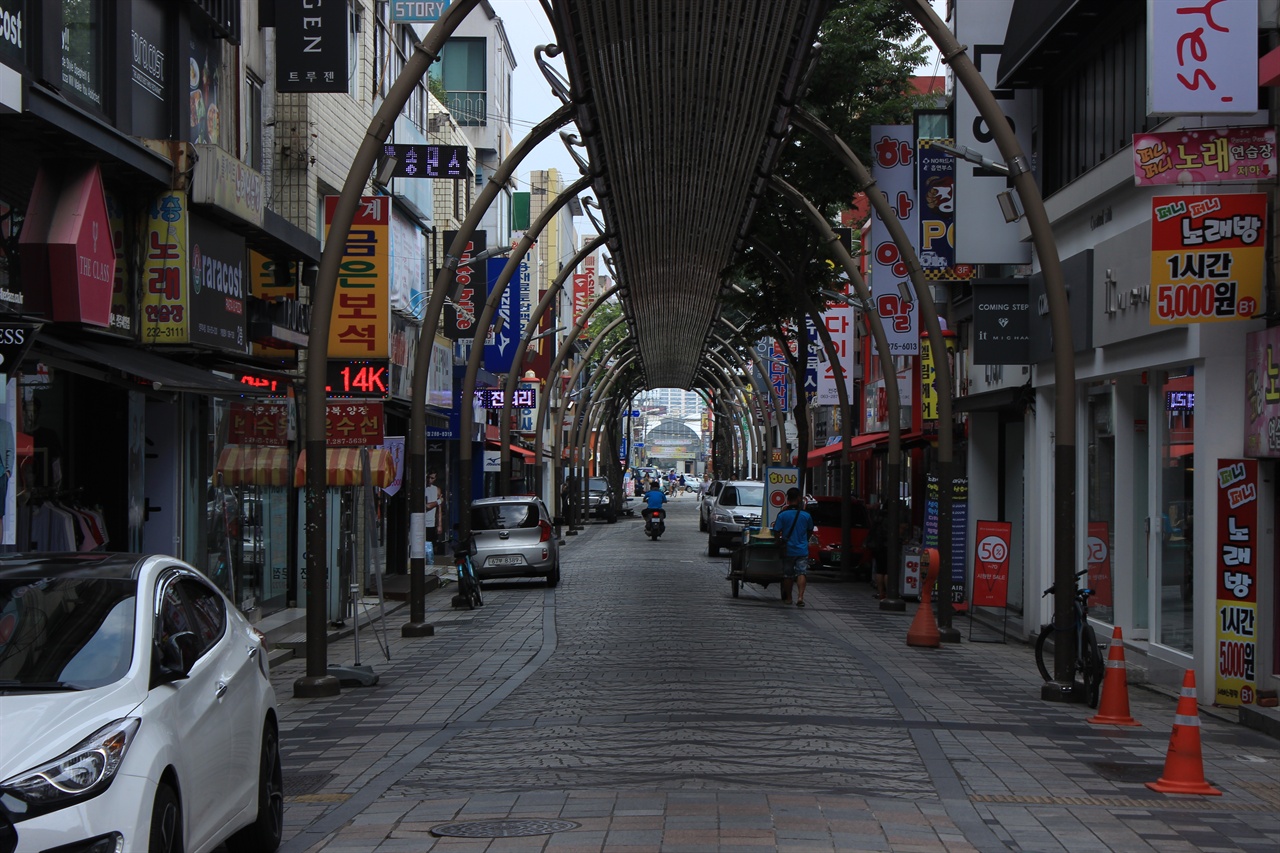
655 523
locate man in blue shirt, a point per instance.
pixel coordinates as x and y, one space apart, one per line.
654 499
795 526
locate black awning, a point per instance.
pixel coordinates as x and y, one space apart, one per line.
100 359
1042 33
1014 400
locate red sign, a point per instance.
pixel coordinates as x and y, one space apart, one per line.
1237 582
260 424
991 564
1098 558
354 424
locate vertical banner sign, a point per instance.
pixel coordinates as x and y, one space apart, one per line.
893 170
311 46
1098 559
959 530
526 298
936 190
986 238
1207 254
501 336
991 564
461 312
581 298
929 377
776 483
779 376
394 444
814 357
360 327
839 322
165 308
1237 581
589 265
1202 57
1262 393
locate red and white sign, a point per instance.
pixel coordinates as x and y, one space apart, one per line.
354 424
1211 155
259 424
1207 257
991 564
1098 559
840 324
894 173
1237 582
1202 57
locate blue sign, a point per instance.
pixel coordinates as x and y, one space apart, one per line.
417 11
635 413
502 336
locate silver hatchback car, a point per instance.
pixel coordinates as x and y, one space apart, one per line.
737 507
514 539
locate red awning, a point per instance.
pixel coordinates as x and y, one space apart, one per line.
516 450
343 467
864 443
250 465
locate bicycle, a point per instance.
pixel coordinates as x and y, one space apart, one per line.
1088 656
468 594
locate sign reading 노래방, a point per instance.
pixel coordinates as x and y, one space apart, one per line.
1207 254
311 46
1211 155
1236 582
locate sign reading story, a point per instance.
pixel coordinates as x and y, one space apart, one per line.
1262 393
1202 57
1211 155
311 46
1237 577
1207 254
360 327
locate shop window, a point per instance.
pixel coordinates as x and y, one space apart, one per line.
254 131
1174 593
83 45
1101 499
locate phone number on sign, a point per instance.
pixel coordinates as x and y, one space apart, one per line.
1208 300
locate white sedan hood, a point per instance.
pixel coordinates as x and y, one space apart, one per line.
29 719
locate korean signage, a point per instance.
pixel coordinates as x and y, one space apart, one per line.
779 374
523 397
1237 576
367 378
260 424
986 238
1207 254
893 170
1001 320
418 11
959 528
936 190
360 327
165 308
929 378
353 424
991 564
1202 57
1214 155
839 322
460 313
223 181
1262 394
217 303
311 46
425 161
776 483
502 335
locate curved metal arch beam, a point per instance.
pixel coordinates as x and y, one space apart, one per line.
1064 368
599 408
466 413
893 464
756 440
734 430
526 337
776 414
763 392
318 681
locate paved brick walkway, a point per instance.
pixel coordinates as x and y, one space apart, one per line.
642 703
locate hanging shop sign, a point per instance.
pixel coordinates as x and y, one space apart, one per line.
929 376
1237 578
1202 58
360 327
1211 155
422 161
1207 256
1262 393
525 396
165 309
311 46
352 377
461 309
959 530
260 424
991 564
893 171
840 324
936 201
1001 322
502 335
418 11
217 301
353 424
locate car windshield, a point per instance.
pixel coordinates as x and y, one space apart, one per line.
598 484
503 516
750 495
827 514
65 633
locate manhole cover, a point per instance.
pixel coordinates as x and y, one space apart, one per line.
298 784
514 828
1116 771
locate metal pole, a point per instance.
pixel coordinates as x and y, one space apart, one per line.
317 681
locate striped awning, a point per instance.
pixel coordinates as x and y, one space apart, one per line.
249 465
343 467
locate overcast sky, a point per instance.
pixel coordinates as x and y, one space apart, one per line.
527 27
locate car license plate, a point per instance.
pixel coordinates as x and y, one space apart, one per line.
509 560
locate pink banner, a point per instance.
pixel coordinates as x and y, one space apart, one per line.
1211 155
1098 559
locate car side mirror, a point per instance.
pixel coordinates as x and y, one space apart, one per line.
175 663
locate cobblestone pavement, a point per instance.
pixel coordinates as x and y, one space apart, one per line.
643 704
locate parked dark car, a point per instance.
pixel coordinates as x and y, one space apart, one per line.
600 500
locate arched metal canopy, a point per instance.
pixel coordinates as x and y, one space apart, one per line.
682 106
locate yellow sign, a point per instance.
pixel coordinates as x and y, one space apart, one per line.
360 325
166 283
775 455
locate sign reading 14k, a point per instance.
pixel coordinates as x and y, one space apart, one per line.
1207 257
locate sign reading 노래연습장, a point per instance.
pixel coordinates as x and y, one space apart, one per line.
1210 155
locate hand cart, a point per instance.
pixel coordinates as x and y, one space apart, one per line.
758 561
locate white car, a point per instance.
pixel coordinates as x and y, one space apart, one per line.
136 709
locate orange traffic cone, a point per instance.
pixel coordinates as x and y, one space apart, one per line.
1113 710
924 627
1184 765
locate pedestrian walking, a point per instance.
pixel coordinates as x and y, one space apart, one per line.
795 526
433 523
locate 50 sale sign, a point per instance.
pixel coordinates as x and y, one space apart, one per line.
1207 257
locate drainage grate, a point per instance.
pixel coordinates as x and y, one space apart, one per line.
512 828
1120 772
298 784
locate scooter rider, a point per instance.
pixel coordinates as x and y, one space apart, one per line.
654 499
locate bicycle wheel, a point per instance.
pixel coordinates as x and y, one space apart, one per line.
1091 666
1045 633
